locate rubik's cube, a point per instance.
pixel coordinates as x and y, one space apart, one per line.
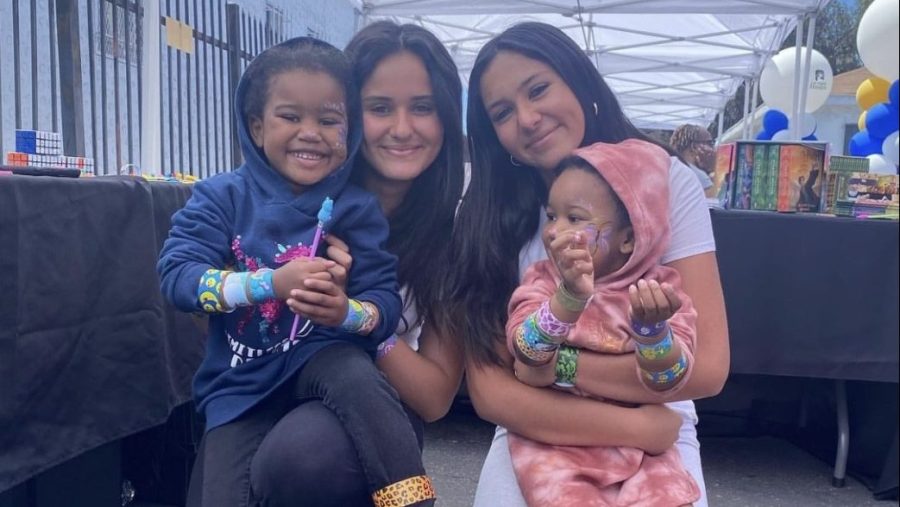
35 148
38 142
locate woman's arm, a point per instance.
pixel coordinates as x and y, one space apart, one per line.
560 418
426 380
614 377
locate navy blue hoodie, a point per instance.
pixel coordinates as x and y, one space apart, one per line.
243 221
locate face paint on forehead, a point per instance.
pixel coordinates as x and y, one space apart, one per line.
335 106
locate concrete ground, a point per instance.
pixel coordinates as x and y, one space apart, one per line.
739 472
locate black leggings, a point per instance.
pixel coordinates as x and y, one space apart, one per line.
284 454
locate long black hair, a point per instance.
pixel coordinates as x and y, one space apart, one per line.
422 225
500 212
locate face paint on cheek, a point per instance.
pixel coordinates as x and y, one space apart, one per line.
604 238
340 144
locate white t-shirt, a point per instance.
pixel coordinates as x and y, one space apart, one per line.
407 329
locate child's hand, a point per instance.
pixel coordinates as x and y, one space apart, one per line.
339 252
292 275
652 302
574 261
321 301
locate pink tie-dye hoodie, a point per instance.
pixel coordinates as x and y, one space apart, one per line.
638 172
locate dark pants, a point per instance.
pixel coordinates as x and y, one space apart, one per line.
349 436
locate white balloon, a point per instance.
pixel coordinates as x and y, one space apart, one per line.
782 135
807 125
878 39
878 164
776 83
891 149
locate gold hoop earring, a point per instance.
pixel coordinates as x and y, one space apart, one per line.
514 161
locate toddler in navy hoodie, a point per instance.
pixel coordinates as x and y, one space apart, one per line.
240 251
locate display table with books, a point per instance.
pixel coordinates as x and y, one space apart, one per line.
812 296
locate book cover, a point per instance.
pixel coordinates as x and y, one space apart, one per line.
743 178
771 183
869 194
760 173
800 174
722 174
840 167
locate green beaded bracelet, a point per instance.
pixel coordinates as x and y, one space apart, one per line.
566 366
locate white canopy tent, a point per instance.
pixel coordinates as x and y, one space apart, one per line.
669 61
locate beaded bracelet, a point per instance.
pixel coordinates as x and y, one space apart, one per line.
566 366
657 350
667 376
568 300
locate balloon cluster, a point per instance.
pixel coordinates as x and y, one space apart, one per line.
776 127
879 123
776 87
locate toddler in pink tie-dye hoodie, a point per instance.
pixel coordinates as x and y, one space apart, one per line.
603 289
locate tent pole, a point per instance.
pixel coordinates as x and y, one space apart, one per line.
795 110
721 126
754 93
745 128
151 149
807 70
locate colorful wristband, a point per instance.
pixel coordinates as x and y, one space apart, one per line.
669 375
646 330
209 291
566 366
550 326
259 286
657 350
569 301
362 317
528 353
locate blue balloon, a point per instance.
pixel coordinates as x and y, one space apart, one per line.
773 121
811 137
763 136
894 93
862 144
881 120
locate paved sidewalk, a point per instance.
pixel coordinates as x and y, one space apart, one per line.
740 472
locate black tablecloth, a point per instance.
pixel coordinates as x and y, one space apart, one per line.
89 351
810 296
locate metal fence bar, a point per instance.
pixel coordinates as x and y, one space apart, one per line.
91 68
187 97
114 49
171 125
179 109
34 82
103 97
17 65
54 62
139 50
128 88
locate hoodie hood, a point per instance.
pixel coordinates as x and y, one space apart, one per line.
637 172
258 170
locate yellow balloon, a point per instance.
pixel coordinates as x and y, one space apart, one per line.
872 91
861 123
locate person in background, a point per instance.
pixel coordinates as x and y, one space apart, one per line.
695 147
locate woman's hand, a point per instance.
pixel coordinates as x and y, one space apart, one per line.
339 252
652 302
573 259
321 301
662 428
